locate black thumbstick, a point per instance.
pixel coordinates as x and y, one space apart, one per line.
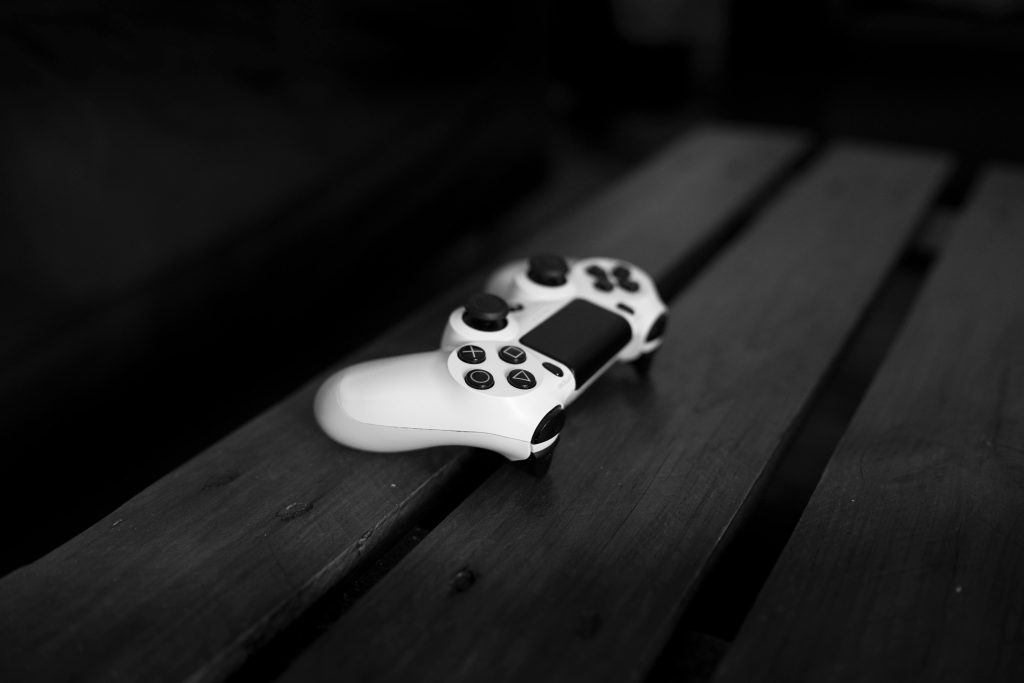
548 270
486 312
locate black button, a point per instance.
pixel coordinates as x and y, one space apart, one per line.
658 328
549 426
553 369
598 272
479 379
486 312
629 285
512 354
521 379
621 272
604 285
548 270
624 307
472 355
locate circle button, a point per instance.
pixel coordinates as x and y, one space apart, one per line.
479 379
473 355
512 354
521 379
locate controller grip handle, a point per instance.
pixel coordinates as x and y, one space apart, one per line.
411 402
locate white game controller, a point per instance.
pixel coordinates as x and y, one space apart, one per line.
510 361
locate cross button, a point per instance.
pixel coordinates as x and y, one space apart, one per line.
473 355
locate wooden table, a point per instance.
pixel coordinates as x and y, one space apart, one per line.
279 555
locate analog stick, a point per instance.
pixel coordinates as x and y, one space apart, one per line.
547 270
486 312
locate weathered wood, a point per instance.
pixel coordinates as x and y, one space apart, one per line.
581 576
191 575
908 563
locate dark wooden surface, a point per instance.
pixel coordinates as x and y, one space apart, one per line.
908 563
581 576
189 577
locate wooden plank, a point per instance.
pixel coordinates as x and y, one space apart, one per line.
187 578
908 563
581 576
671 194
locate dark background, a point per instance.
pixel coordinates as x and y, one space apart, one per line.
203 204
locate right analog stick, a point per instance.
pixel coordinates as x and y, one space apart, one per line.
548 270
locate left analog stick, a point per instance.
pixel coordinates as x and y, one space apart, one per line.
486 312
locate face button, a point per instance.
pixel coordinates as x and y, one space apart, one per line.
548 270
604 285
629 285
512 354
521 379
598 272
486 312
658 328
621 272
479 379
553 369
472 355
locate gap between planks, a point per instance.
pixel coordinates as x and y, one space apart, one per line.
906 563
726 593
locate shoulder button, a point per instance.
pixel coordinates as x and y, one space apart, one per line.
549 426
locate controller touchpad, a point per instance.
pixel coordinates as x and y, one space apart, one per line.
581 335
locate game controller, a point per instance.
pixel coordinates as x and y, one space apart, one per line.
510 361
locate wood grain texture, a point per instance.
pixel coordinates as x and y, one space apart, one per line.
581 576
183 581
908 563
